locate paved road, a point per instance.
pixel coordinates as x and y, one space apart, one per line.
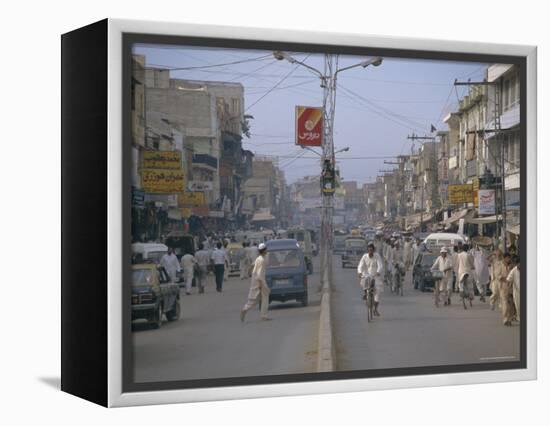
209 341
412 332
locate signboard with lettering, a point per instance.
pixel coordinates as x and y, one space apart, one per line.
191 199
197 185
460 194
309 126
486 201
162 181
161 160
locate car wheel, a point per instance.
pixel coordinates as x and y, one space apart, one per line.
422 286
157 319
174 314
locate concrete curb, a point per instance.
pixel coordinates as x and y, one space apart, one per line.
326 354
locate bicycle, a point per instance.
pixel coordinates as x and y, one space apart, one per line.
397 280
369 297
466 292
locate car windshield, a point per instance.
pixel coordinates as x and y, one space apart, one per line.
142 276
355 244
283 259
298 236
155 256
428 260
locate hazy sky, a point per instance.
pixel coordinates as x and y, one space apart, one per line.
376 107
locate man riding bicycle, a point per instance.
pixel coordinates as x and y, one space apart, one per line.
371 265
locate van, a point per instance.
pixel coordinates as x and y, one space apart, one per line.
438 240
286 272
303 237
148 252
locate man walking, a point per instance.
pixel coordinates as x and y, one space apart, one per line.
171 264
481 272
188 262
443 263
244 261
203 260
219 258
496 264
514 279
506 292
258 286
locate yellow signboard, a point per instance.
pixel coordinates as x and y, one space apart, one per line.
186 213
162 181
460 194
161 159
475 183
191 199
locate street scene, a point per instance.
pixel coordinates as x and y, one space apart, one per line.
298 212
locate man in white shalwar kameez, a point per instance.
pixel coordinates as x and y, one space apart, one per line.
258 286
465 268
371 265
407 253
171 264
481 272
444 264
514 279
188 262
244 261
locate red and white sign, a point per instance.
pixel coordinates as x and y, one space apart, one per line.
309 126
486 201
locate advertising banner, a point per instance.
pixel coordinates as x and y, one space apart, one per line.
197 185
460 194
309 126
162 181
161 160
191 199
486 200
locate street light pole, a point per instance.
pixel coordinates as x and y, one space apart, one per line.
328 83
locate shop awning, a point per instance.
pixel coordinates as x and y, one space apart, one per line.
465 214
513 229
484 220
262 216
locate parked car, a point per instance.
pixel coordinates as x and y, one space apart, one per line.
286 271
422 274
154 295
355 248
304 239
235 252
148 252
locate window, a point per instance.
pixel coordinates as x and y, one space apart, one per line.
235 106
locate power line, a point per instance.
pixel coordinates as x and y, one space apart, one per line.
276 85
259 58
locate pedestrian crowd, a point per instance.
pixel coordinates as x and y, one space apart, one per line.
456 270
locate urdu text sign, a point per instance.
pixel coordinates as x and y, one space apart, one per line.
461 194
309 126
162 181
161 160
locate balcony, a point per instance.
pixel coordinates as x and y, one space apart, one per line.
205 160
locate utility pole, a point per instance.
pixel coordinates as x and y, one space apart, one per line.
328 83
497 130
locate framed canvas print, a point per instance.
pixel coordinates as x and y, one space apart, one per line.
251 212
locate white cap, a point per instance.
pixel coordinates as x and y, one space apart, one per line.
443 250
262 246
